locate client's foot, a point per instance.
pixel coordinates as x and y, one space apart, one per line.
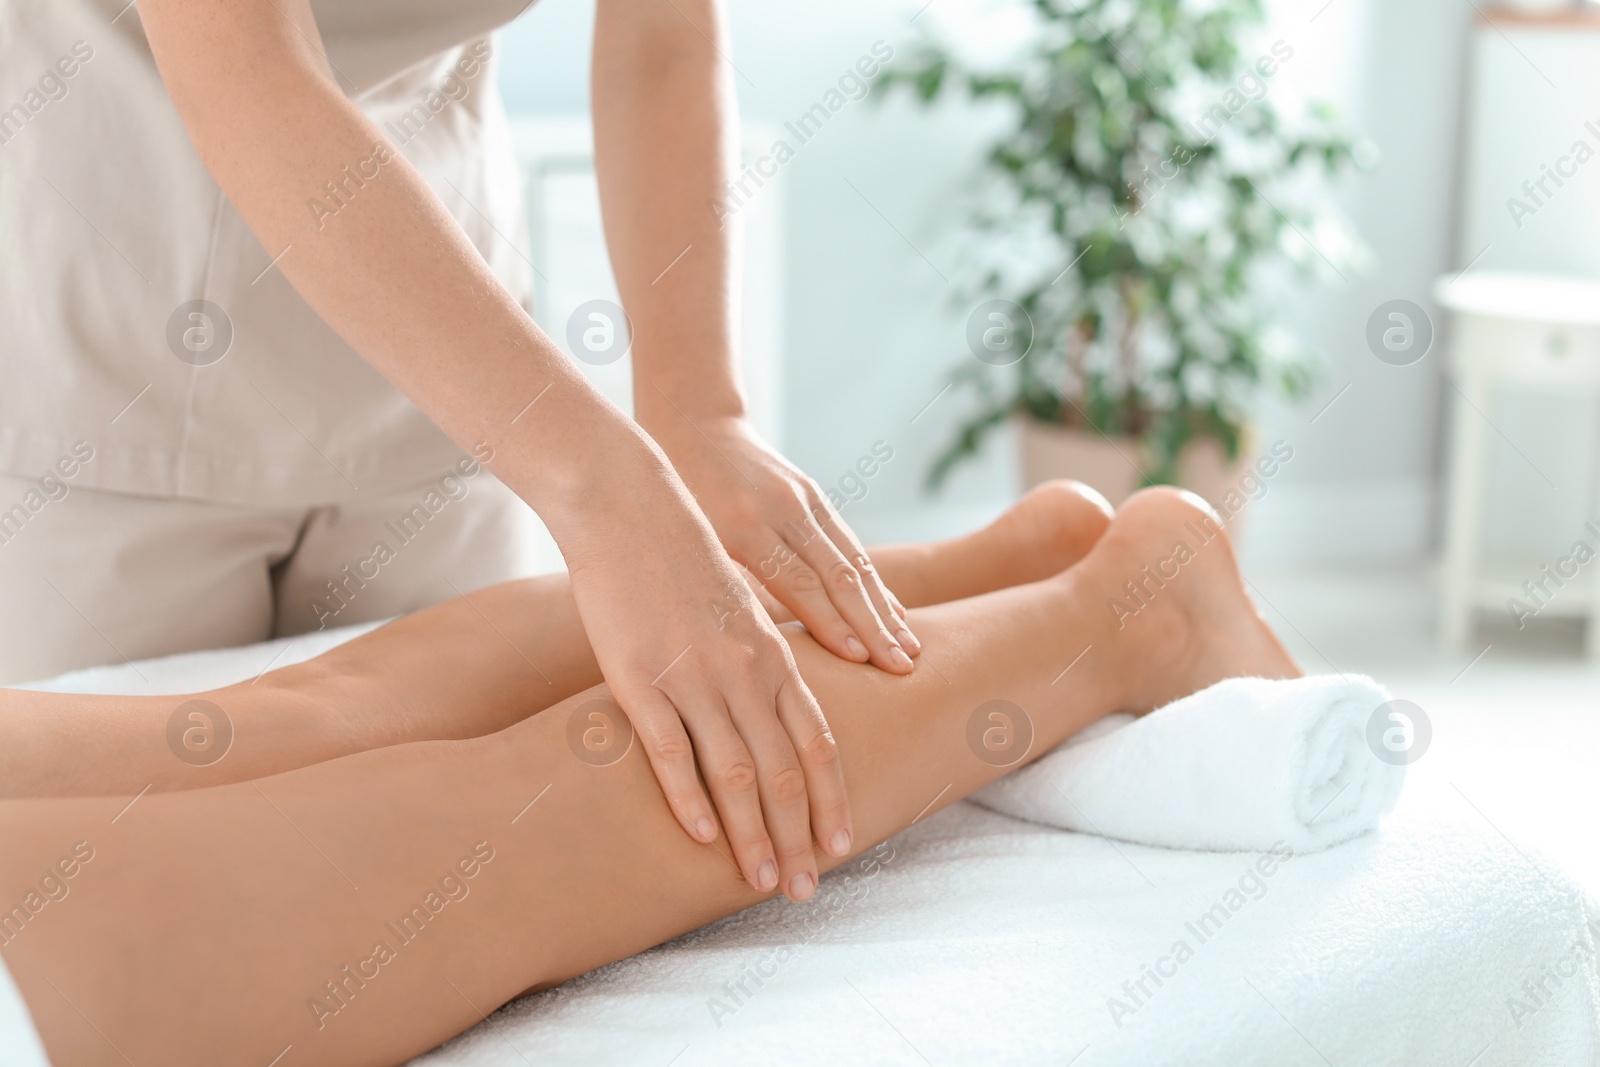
1173 576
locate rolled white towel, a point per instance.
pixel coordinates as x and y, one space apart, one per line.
1237 767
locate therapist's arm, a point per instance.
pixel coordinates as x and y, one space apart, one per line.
696 664
666 133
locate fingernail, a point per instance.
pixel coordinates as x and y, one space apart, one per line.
854 646
898 658
907 638
767 876
839 843
800 886
706 830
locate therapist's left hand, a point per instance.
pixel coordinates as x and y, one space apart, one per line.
775 521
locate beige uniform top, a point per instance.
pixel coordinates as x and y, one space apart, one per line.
110 226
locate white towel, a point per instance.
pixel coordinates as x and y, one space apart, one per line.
1240 766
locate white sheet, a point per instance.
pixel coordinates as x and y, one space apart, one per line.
19 1041
977 938
986 940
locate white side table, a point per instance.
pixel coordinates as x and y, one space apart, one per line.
1528 332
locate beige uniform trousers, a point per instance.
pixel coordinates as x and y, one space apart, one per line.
90 577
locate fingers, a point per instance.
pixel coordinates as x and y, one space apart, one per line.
665 742
758 788
796 585
800 781
819 758
888 606
776 780
833 598
782 787
732 775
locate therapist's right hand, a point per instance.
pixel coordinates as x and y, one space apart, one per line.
705 677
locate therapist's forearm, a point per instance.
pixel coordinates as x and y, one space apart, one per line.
665 120
665 147
380 259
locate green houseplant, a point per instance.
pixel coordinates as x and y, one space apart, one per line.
1145 188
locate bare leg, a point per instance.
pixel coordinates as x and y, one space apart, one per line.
526 636
212 925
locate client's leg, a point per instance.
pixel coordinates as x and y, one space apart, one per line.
516 648
363 909
520 646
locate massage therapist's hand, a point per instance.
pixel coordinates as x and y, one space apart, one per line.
774 520
703 675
